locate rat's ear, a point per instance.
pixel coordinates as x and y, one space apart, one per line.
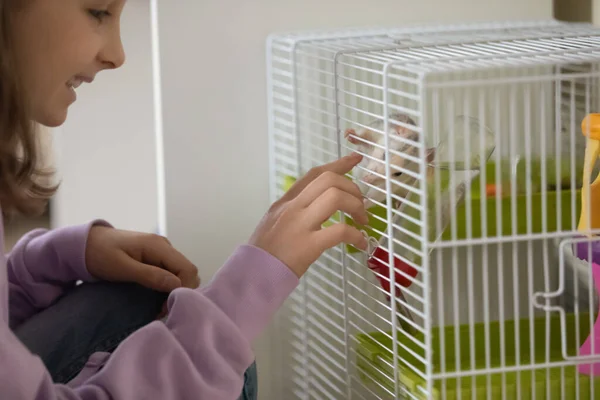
401 130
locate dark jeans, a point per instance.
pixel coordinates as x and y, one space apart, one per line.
96 317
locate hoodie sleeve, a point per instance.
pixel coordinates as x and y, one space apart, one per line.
200 352
42 265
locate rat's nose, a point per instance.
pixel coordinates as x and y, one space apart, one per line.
371 178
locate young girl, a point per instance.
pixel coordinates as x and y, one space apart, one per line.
101 339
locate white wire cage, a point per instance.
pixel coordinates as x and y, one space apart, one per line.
488 301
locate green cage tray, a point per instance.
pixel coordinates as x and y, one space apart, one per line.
534 214
375 361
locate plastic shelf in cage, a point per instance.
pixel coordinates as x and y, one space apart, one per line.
375 362
527 209
535 200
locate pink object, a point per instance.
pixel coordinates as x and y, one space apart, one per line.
586 348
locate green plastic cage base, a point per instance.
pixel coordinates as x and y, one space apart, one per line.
375 363
529 218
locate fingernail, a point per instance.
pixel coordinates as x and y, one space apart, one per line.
365 244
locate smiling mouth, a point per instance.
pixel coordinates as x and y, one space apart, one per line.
75 82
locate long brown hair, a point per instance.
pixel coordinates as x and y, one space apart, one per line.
22 187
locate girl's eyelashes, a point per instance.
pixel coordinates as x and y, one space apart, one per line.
99 14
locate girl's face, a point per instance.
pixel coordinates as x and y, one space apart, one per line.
62 44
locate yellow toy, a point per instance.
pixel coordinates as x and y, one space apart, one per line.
590 127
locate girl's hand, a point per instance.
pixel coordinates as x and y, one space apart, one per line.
150 260
292 228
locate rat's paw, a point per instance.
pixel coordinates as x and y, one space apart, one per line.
350 135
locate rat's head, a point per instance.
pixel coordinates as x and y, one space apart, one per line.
398 164
376 167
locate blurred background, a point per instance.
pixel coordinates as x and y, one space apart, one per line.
214 113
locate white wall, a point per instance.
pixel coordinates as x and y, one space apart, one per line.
105 150
213 66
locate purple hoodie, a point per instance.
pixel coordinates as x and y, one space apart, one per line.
200 352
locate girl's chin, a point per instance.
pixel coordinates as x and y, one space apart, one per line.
53 119
55 113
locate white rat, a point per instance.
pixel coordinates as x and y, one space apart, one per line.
365 141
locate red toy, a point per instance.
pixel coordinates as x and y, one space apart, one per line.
377 262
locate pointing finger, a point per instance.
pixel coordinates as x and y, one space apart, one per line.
324 183
340 167
332 200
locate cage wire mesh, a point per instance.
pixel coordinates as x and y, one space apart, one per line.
473 165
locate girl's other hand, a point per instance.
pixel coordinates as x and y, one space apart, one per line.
150 260
292 228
